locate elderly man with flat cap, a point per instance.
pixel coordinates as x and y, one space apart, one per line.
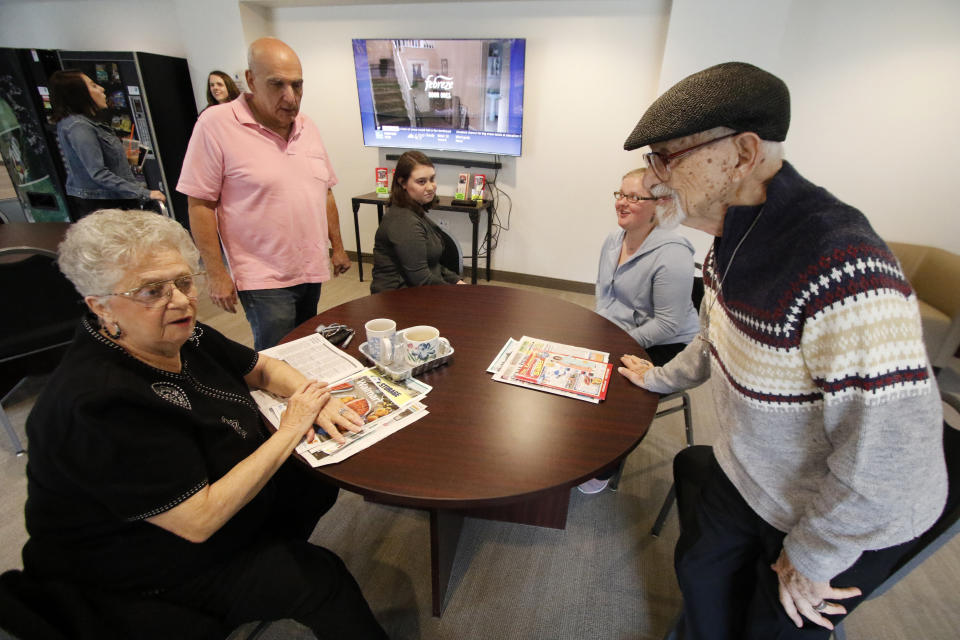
829 460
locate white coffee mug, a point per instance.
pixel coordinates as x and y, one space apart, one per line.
423 344
380 335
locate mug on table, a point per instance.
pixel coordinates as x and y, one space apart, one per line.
380 339
422 344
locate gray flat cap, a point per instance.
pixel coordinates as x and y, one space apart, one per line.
733 94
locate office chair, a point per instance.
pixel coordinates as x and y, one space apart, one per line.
934 274
34 337
452 256
696 295
38 609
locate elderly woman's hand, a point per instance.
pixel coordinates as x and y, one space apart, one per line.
336 417
303 407
634 369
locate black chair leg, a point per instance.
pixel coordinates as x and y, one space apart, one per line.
615 478
675 632
8 427
838 632
687 418
664 511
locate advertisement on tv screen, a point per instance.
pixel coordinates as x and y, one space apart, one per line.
450 95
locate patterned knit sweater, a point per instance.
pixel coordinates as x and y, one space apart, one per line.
831 420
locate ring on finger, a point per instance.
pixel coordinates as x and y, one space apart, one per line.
820 606
343 410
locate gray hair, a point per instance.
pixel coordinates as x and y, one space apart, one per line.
635 173
770 150
99 249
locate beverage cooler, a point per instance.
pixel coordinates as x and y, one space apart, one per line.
28 142
150 101
150 105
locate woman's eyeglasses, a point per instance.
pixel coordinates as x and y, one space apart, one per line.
158 294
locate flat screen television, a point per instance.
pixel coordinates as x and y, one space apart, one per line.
449 95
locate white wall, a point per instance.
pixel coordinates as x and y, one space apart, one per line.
91 25
590 68
213 38
874 95
209 33
875 100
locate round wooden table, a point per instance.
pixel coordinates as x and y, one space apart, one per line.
489 449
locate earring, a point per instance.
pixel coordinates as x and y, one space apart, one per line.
117 331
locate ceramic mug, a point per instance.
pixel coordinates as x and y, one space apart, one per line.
380 335
422 344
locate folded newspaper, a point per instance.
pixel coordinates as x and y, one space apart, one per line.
385 405
553 367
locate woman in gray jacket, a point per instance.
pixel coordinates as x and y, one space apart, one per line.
645 283
98 172
408 245
645 276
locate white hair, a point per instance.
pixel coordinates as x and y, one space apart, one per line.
772 151
769 149
99 249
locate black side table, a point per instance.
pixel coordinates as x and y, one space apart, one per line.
443 204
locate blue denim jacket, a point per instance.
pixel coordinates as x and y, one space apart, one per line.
97 167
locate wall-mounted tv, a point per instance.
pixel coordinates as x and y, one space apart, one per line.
449 95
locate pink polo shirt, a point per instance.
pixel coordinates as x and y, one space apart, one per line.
272 193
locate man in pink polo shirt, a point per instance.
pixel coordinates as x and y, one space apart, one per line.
258 179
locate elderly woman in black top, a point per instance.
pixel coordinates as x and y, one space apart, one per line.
408 245
149 472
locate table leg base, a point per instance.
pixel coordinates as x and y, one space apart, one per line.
547 510
445 528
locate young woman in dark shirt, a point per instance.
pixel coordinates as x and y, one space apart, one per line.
408 245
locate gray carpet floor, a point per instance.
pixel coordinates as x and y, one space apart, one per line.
602 577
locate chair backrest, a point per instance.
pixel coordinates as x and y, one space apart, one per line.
934 275
47 304
696 294
452 256
40 609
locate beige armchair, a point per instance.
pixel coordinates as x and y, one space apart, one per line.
935 275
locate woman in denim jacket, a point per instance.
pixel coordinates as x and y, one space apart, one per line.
98 173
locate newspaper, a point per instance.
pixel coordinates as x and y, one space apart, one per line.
562 369
385 405
316 358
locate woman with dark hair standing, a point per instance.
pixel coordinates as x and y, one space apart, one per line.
408 245
98 171
220 88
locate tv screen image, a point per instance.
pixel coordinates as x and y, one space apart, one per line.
449 95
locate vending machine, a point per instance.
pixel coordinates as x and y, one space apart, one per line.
150 104
27 138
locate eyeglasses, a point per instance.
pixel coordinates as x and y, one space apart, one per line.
659 163
158 294
630 197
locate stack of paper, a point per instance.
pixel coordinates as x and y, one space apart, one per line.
385 405
557 368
